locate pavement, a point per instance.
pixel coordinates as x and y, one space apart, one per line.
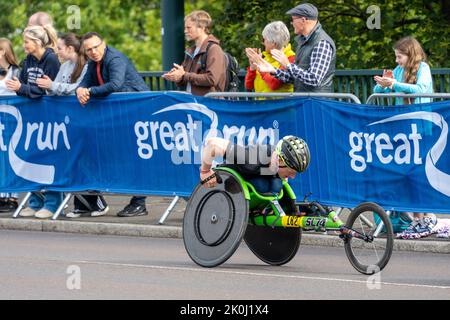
147 226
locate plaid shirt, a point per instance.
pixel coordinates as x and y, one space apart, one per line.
320 63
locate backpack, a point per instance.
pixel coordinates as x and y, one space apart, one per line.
232 70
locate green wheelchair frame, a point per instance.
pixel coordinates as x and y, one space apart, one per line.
217 219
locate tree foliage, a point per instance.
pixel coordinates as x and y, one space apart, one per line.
358 47
134 26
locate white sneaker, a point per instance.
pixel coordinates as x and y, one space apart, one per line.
44 214
76 213
100 212
27 212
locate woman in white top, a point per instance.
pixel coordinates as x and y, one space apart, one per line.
72 70
8 70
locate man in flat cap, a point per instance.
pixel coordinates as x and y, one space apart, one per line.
315 59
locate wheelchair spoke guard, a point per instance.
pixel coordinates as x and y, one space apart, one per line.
274 246
215 221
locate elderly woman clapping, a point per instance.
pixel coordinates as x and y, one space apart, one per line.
276 43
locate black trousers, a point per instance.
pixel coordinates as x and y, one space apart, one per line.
96 202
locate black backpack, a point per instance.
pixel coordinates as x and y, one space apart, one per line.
232 78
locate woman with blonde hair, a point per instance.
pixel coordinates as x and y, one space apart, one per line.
8 69
40 61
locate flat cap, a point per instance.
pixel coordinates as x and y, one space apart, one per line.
306 10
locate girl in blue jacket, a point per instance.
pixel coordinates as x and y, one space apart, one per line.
412 74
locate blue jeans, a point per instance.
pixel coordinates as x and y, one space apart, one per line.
267 184
49 200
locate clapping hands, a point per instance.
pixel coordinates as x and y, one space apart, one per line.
257 61
175 74
387 80
251 54
280 57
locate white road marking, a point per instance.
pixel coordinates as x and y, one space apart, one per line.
256 274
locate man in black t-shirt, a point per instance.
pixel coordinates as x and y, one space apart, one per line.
264 166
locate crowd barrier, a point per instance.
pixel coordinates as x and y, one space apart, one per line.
250 96
388 99
149 143
360 82
348 97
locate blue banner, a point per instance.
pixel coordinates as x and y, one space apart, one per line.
150 143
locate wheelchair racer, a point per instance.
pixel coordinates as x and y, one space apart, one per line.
264 166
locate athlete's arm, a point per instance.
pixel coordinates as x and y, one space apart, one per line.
214 147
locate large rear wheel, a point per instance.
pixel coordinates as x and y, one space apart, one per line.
215 221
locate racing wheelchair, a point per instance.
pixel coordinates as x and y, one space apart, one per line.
217 219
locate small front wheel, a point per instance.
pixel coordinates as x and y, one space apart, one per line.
367 249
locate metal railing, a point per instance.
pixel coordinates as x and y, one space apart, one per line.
253 95
388 99
358 82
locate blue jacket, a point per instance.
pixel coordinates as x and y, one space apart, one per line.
424 84
118 74
34 69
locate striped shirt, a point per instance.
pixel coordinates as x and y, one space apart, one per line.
320 63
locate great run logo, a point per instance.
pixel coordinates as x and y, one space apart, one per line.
40 135
366 146
183 138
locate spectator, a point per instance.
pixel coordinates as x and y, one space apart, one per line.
69 77
8 69
43 19
275 36
41 60
109 71
72 70
412 75
190 74
315 61
40 19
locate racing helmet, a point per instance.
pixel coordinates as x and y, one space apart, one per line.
294 152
